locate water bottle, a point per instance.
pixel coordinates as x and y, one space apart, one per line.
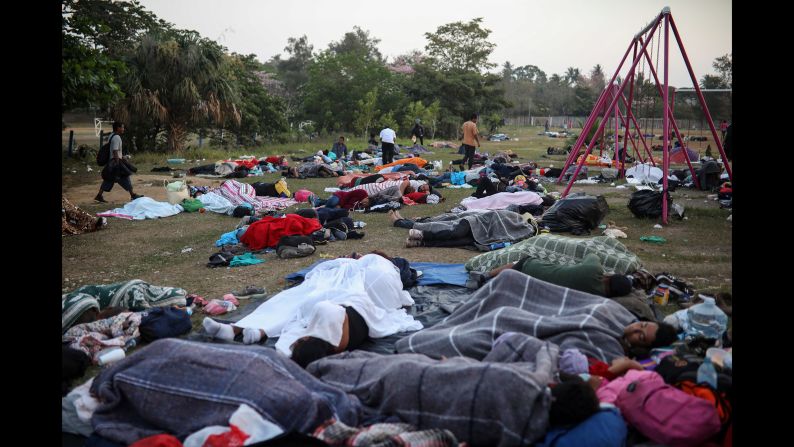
707 319
707 373
497 245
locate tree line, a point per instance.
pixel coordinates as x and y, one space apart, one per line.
169 83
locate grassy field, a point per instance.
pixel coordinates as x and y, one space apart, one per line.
698 249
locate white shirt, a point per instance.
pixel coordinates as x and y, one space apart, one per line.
387 136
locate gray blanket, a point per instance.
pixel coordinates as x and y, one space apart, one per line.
487 227
179 387
515 302
481 403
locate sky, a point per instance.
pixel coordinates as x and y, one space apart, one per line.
553 35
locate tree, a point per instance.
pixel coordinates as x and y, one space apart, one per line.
89 76
461 46
260 113
367 111
180 81
572 76
724 67
597 79
294 72
360 43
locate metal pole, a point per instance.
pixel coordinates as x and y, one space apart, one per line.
71 142
666 120
628 112
611 105
701 99
641 136
593 115
672 118
629 137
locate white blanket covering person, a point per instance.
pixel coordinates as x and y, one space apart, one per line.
370 284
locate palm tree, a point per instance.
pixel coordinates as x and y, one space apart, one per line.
179 81
572 76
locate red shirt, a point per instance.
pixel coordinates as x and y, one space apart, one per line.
348 199
273 160
418 197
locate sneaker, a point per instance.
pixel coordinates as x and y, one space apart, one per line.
135 196
412 243
415 234
100 199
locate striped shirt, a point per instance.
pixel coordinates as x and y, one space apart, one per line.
374 188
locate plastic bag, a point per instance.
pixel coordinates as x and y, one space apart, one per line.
646 203
577 213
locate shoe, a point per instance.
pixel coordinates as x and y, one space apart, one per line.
250 290
415 234
101 199
412 243
135 196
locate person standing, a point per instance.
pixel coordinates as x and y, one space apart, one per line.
340 149
470 138
419 132
724 128
118 170
387 137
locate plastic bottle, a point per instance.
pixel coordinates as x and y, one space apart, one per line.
707 319
707 373
497 245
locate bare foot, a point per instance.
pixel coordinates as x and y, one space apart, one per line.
397 213
393 216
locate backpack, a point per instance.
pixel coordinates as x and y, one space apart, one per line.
103 156
294 247
663 413
677 368
717 398
221 259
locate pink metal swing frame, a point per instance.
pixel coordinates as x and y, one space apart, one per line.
628 117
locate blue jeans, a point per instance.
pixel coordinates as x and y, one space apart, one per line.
332 202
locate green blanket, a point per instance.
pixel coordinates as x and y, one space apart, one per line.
134 295
564 250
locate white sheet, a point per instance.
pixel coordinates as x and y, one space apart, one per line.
502 200
370 284
644 173
144 208
216 203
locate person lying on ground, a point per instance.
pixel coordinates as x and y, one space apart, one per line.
515 302
348 200
316 311
76 221
478 228
309 169
276 160
498 401
587 276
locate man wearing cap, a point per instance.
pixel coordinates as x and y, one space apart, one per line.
587 276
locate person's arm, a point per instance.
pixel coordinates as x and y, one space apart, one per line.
403 186
498 270
476 135
115 149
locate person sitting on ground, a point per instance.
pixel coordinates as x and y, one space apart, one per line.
316 311
340 149
372 141
587 276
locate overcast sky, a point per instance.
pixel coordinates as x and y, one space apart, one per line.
552 35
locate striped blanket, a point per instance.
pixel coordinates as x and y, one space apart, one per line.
487 227
563 250
515 302
481 403
238 193
133 295
179 387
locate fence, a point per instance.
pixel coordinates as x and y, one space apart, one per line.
648 125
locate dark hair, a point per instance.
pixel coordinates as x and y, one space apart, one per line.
619 285
309 350
572 402
117 125
73 363
665 335
342 137
473 116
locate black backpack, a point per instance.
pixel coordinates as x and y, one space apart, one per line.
103 156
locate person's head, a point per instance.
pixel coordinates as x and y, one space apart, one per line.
118 127
417 121
473 117
364 203
572 401
372 135
649 334
617 285
308 349
341 139
424 188
409 189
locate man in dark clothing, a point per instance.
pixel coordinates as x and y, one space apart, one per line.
118 170
419 132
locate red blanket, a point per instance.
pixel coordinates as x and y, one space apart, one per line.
267 232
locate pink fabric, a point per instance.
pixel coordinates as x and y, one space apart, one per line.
345 180
161 440
664 414
302 195
502 200
239 193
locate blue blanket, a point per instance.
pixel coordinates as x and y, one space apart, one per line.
432 273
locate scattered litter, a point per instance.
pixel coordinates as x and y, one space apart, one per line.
602 226
614 233
612 184
359 224
88 168
658 227
147 184
187 250
653 239
730 218
620 187
326 256
712 196
686 218
331 189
